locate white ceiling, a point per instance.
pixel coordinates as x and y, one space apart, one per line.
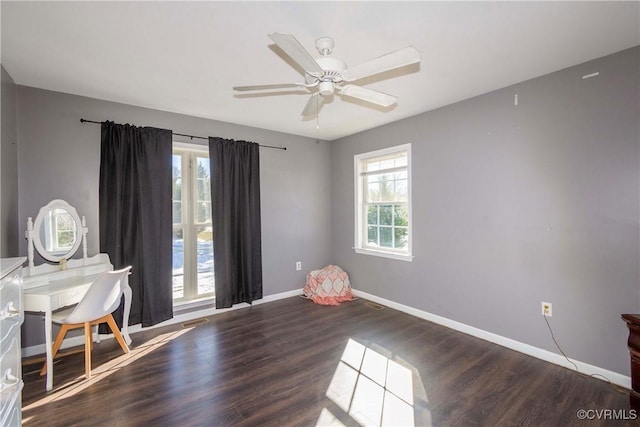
184 57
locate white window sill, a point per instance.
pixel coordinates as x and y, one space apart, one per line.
392 255
182 306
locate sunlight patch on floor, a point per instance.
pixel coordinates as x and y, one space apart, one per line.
103 371
371 389
328 419
367 402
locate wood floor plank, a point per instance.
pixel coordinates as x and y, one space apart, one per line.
276 364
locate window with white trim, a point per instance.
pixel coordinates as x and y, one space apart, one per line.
383 202
193 270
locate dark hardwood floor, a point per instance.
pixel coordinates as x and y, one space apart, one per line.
284 364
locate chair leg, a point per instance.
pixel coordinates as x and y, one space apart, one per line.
87 349
88 341
116 333
56 346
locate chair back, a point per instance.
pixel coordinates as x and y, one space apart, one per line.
102 298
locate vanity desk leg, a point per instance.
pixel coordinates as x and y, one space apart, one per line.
47 341
125 315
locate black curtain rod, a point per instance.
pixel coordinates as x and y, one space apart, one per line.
189 136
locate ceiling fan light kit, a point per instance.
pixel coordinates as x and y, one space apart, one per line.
329 75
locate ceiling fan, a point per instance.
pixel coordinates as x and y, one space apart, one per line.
331 75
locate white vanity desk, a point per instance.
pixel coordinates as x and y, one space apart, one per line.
47 288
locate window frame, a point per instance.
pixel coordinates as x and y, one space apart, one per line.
360 219
189 154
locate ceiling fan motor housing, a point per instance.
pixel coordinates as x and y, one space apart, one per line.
325 88
332 74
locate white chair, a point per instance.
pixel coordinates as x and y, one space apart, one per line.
101 299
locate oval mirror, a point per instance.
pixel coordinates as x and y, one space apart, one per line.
57 231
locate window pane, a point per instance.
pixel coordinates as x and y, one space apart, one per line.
386 164
177 164
401 237
177 189
386 237
370 165
400 175
401 161
401 191
400 216
206 279
372 215
203 212
203 191
386 215
373 192
177 212
178 263
372 235
386 188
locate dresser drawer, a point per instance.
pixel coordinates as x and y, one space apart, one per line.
10 372
11 310
11 416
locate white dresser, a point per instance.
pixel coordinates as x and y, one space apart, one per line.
11 318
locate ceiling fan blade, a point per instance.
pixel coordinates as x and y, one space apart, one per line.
299 54
267 87
399 58
313 105
369 95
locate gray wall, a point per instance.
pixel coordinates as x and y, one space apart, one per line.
59 157
8 168
514 205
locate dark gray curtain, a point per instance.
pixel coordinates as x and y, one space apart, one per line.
235 212
135 215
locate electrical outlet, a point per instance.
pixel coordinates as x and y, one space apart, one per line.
547 309
298 265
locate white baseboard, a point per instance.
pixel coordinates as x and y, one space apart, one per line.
530 350
178 318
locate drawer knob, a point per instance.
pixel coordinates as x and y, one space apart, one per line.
9 311
9 380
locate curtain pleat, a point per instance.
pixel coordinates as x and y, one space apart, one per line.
235 195
136 217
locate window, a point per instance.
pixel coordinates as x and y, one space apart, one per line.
383 202
193 273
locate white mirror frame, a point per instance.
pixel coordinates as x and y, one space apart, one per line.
33 232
